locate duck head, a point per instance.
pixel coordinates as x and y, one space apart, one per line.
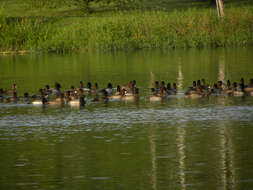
109 85
89 85
168 86
175 86
228 84
220 84
57 86
157 85
81 84
96 86
234 86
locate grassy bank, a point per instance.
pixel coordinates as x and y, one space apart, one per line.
191 28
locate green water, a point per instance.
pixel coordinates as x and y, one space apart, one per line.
178 144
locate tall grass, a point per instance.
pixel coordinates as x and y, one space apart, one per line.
193 28
39 4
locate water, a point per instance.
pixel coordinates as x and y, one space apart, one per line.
178 144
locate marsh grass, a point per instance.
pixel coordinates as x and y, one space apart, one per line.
193 28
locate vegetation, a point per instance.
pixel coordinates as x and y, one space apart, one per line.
128 29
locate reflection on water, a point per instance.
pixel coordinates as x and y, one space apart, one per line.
153 157
181 152
178 144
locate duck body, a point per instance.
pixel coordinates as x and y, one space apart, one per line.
55 92
109 91
227 92
25 100
250 93
115 97
11 100
248 89
238 93
86 90
37 102
41 101
101 99
57 101
171 92
129 98
156 98
193 94
77 102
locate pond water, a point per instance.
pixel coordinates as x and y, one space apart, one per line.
177 144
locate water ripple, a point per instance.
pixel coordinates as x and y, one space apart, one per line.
124 117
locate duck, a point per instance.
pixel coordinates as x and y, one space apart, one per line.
227 90
236 91
109 89
1 95
130 97
13 89
194 96
155 98
95 91
103 99
248 89
77 102
163 85
250 93
203 84
25 99
80 101
13 99
129 88
57 89
156 89
169 90
219 88
242 84
48 92
40 95
67 96
81 85
174 88
58 101
158 97
117 95
194 92
41 101
7 100
86 90
73 92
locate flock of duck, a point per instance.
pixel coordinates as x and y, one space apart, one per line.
130 92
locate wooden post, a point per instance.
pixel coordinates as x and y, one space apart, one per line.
220 8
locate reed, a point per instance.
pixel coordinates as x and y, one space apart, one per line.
193 28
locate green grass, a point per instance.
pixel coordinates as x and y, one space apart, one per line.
122 30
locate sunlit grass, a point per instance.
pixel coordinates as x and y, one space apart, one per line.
193 28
